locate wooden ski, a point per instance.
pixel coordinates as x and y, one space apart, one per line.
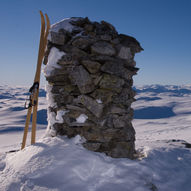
34 90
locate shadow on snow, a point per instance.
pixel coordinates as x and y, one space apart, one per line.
153 113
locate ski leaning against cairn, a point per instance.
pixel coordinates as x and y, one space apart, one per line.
34 90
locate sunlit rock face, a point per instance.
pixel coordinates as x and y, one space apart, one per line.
89 69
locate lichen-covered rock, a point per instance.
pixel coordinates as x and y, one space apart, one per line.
92 105
125 53
104 48
92 66
116 110
90 85
122 149
92 146
103 95
82 42
82 79
126 97
111 82
58 38
118 69
130 42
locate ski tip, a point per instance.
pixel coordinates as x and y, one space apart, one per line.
41 13
42 17
47 19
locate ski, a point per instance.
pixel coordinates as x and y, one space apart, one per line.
34 90
37 76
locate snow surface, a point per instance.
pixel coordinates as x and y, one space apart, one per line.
64 24
13 115
54 56
62 164
162 123
50 100
163 113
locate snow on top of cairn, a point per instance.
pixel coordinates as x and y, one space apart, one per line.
64 24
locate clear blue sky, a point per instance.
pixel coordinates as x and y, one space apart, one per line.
163 27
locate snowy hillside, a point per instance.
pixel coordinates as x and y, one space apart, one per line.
163 132
13 115
162 113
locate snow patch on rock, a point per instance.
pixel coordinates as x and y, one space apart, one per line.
51 115
54 56
82 118
49 97
99 101
63 24
60 114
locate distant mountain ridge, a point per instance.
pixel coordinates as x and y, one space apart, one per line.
176 89
10 92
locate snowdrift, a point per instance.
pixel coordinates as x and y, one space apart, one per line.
57 164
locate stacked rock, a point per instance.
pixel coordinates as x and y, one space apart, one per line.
89 69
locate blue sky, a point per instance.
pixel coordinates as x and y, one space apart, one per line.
163 27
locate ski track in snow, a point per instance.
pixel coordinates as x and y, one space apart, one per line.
163 128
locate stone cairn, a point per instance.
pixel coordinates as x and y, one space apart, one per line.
90 85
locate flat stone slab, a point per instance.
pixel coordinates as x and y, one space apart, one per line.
117 68
92 105
92 66
125 53
104 48
82 79
112 83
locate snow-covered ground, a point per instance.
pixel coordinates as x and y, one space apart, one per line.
162 113
163 132
13 115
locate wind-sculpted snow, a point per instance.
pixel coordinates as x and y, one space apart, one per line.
156 102
6 96
59 164
12 111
